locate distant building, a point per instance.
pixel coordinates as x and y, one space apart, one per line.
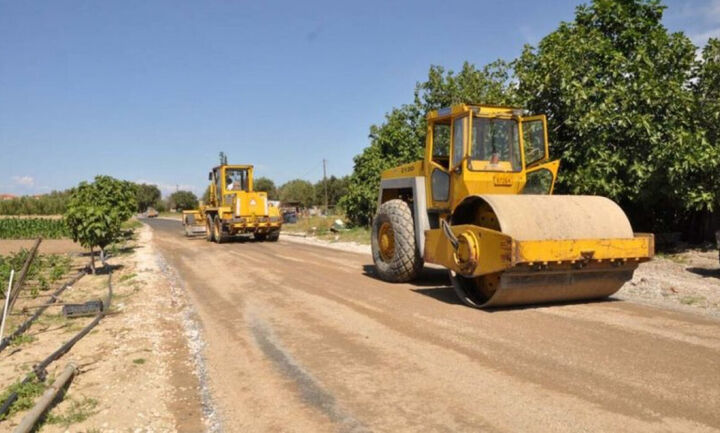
7 196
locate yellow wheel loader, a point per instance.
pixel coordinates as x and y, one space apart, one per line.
480 204
234 208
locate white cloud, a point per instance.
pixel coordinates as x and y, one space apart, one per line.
26 181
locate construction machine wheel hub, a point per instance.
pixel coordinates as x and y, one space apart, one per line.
386 238
467 252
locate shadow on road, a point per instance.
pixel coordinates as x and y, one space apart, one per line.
429 277
705 272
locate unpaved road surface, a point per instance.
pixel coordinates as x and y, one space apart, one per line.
301 338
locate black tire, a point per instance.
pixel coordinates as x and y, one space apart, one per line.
405 263
209 235
219 234
274 236
260 237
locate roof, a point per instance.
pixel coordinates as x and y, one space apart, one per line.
234 166
479 108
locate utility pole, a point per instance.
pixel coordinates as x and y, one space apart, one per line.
325 183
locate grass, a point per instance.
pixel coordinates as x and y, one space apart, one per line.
22 339
79 411
27 393
127 277
319 227
131 224
139 361
176 215
45 270
673 257
692 299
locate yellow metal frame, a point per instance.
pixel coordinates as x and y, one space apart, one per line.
478 250
485 251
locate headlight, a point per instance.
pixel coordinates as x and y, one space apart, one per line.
275 219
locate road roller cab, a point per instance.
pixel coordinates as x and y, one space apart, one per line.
480 204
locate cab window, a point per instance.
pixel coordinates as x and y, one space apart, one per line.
538 182
495 145
458 141
533 141
441 143
236 179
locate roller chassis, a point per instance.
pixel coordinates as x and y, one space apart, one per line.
501 246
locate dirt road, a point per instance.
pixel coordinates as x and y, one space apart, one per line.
301 338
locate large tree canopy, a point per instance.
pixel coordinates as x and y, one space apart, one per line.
298 191
146 196
183 200
266 185
632 113
615 86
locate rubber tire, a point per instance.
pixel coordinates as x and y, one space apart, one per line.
273 237
220 236
406 262
260 237
209 234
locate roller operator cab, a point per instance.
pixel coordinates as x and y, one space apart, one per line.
234 208
480 204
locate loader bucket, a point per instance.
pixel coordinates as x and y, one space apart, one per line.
559 248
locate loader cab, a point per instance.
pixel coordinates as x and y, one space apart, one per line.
483 149
229 180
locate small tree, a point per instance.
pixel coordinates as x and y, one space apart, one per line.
298 190
266 185
146 196
96 211
183 200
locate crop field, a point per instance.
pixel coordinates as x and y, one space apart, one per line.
44 271
29 228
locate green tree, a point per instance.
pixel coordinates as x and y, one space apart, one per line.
336 188
53 203
266 185
707 94
96 211
146 196
298 191
401 138
615 86
183 200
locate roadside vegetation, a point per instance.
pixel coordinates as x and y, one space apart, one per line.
633 115
43 272
32 228
97 211
322 228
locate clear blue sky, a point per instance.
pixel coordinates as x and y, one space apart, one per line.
153 90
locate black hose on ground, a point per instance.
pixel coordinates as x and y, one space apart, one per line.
5 342
39 370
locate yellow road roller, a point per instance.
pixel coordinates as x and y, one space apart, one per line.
480 203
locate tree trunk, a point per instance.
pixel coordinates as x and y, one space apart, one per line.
92 259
